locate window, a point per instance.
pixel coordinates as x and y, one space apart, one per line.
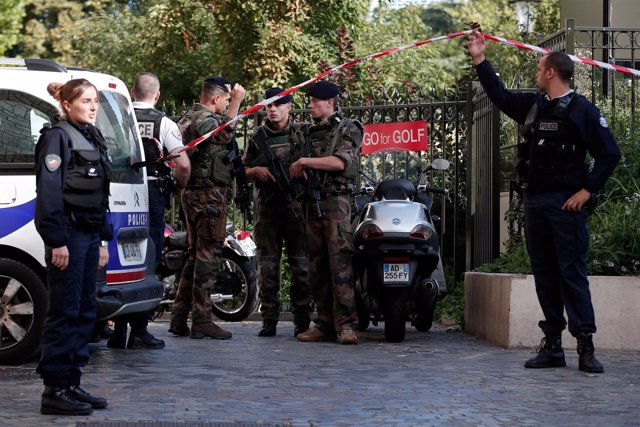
117 124
21 118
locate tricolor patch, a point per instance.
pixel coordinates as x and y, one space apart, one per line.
53 162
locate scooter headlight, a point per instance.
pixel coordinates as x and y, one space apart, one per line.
421 231
371 231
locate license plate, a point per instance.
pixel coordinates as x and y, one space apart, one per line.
396 272
247 244
131 252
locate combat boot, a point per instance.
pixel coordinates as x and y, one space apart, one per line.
180 329
268 328
587 362
209 329
82 396
58 401
316 334
550 354
347 336
301 325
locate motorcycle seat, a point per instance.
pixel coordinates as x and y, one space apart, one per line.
395 189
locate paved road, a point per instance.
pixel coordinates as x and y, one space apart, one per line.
438 378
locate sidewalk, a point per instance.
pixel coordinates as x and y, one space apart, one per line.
437 378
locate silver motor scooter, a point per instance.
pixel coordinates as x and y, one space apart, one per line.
397 251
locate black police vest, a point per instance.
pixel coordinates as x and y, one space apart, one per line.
553 154
86 179
149 120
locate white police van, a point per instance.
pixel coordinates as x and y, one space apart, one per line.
125 287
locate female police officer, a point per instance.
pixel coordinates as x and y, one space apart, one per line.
72 182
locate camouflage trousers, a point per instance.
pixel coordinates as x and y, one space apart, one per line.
277 224
205 211
330 248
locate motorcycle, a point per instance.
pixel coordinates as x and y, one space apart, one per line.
397 254
234 296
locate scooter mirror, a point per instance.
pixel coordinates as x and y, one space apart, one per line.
440 164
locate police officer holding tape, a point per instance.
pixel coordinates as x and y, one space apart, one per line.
562 127
333 157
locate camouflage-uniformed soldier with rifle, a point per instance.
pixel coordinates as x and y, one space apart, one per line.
330 159
204 203
279 215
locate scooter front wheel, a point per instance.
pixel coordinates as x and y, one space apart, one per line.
395 313
233 297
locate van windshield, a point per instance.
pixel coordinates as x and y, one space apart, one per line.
117 124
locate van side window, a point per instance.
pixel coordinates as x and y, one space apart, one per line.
117 124
21 118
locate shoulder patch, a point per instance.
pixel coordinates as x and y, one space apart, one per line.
603 122
52 161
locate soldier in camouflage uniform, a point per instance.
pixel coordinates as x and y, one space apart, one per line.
204 203
334 142
279 218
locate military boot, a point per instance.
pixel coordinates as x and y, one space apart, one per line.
209 329
550 354
316 334
58 401
300 325
268 328
180 329
587 362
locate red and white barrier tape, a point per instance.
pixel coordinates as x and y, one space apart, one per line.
574 58
386 52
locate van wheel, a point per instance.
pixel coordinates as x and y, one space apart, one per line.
233 297
23 305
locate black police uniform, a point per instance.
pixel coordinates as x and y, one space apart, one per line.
552 167
72 184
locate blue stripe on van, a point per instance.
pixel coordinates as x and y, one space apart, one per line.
16 217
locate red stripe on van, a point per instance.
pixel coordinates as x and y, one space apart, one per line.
129 276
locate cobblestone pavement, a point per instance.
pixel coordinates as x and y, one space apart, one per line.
437 378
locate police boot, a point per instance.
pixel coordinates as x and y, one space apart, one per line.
143 339
118 338
82 396
550 354
587 362
268 328
58 401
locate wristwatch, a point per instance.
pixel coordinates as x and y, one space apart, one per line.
104 244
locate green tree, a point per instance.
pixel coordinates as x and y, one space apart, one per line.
11 14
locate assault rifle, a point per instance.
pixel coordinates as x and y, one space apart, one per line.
283 184
311 189
243 194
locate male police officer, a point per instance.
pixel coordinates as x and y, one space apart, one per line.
334 157
160 136
563 126
204 202
279 215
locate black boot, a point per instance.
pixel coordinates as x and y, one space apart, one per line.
118 338
300 325
82 396
587 362
268 328
550 354
58 401
143 339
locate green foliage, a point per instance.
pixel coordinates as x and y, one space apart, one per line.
11 14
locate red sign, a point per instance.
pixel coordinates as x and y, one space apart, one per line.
398 136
